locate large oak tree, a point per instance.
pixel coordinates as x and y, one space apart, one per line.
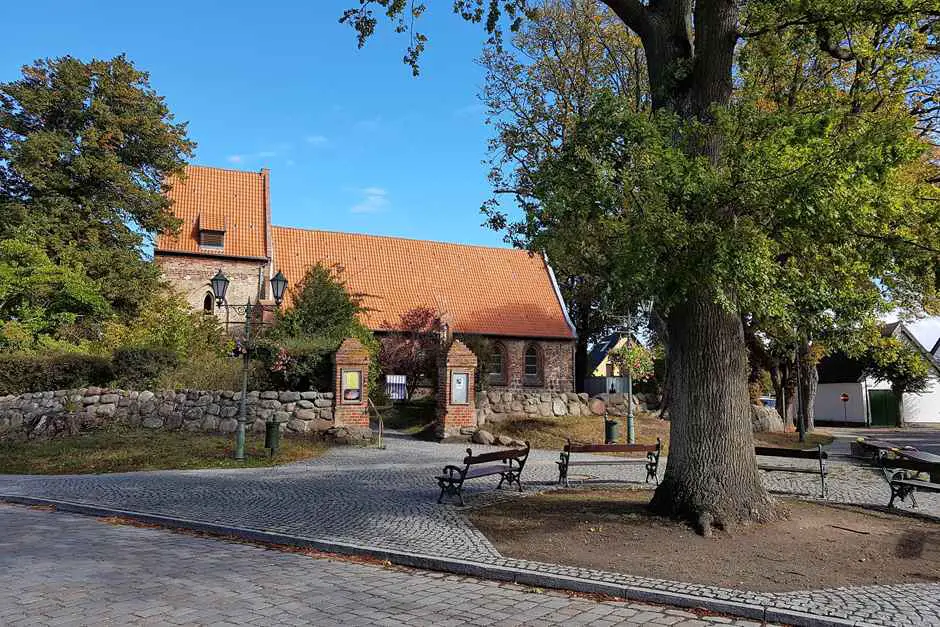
740 203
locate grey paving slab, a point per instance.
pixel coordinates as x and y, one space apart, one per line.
386 499
62 569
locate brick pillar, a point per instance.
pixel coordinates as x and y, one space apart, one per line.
456 406
351 362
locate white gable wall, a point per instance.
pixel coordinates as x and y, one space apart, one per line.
829 406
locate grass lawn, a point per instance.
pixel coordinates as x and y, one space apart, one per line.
123 450
551 433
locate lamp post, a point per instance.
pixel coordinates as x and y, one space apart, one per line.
219 286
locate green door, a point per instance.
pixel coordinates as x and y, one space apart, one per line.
884 408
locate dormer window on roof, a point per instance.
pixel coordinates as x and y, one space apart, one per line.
211 231
211 239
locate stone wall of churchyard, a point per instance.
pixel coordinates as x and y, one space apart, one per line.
498 405
47 414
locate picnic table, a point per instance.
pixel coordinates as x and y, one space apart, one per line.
922 461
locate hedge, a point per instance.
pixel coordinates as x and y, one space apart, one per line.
21 373
139 367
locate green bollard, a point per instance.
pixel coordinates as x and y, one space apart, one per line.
272 435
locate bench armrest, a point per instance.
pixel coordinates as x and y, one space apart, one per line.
454 472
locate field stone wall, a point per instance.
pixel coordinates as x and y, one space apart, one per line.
497 405
47 414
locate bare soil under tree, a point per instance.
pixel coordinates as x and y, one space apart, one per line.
820 546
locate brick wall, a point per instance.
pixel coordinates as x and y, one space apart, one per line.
556 365
351 355
190 276
451 416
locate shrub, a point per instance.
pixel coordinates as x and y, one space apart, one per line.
213 372
140 366
21 373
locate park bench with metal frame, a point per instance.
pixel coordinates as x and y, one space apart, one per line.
507 463
790 453
651 461
901 472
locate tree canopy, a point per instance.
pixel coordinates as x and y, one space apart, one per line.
85 150
745 193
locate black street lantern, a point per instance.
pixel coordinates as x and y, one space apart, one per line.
219 287
278 287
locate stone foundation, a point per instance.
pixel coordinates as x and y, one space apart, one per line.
47 414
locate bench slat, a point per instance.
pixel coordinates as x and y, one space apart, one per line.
604 462
920 485
610 448
809 471
793 453
497 456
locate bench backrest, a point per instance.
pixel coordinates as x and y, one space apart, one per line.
497 456
792 453
575 447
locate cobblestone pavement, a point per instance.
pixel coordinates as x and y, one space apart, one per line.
387 499
61 569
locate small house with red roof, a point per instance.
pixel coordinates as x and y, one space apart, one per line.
507 295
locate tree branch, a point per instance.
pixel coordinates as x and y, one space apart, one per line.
632 12
830 46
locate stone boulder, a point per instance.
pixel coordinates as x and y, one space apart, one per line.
504 440
482 436
765 420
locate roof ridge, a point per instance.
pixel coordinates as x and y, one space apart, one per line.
407 239
213 167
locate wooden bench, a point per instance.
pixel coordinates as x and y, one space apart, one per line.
791 453
651 460
508 464
901 475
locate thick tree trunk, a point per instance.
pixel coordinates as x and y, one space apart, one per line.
711 475
899 395
809 381
581 358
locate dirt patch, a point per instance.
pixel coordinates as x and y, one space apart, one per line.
820 546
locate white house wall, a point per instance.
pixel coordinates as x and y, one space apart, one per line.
923 408
829 406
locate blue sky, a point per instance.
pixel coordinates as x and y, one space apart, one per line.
354 143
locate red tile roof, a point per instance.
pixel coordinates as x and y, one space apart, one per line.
220 200
492 291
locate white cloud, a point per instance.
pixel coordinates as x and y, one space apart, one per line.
375 199
267 153
235 158
316 140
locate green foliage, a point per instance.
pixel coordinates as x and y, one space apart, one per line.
21 373
321 305
297 351
765 230
634 359
140 367
38 297
85 149
166 321
893 360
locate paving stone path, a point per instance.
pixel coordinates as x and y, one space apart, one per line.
387 499
61 569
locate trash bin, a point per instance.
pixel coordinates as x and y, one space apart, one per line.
610 431
272 435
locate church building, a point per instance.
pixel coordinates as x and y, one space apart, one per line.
507 295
